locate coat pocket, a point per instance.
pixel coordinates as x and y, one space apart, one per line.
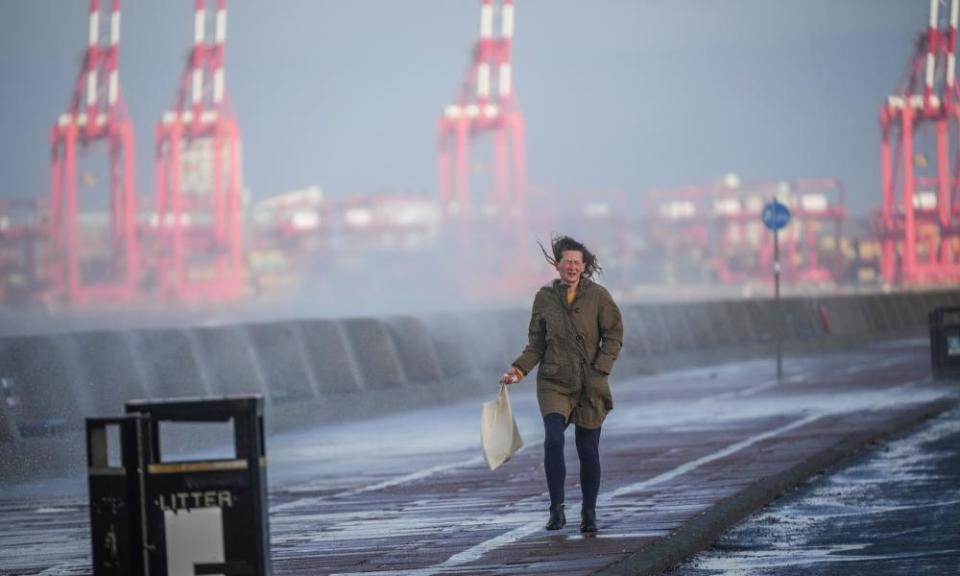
600 388
556 375
549 369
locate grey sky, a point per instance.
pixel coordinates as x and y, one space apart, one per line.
625 94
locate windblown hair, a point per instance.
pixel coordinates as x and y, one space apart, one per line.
560 244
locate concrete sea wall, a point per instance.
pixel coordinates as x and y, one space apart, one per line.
314 371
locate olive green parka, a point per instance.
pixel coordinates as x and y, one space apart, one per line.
576 345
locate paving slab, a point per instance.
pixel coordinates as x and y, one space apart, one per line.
685 455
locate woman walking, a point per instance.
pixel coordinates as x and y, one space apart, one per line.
575 334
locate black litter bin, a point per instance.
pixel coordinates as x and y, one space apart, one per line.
206 516
945 342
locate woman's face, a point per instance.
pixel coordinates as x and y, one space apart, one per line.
570 267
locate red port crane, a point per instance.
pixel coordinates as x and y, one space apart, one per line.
87 264
919 223
487 104
198 170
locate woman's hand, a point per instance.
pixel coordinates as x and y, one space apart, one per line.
510 376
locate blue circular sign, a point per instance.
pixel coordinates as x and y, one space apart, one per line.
775 215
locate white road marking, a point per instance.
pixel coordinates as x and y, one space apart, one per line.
694 464
413 477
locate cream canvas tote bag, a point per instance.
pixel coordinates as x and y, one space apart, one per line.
499 436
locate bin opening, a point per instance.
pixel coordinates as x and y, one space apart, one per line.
193 441
105 447
953 345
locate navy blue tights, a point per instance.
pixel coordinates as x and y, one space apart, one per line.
588 448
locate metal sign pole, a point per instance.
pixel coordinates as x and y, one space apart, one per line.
776 216
776 303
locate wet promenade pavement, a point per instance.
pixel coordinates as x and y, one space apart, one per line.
409 495
893 510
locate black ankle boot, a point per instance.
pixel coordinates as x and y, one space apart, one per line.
588 520
557 518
